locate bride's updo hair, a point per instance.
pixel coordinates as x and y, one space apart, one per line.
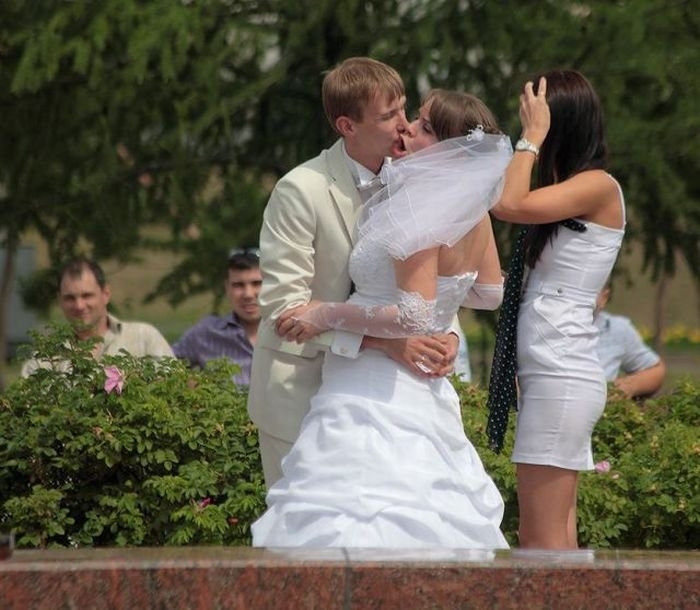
455 113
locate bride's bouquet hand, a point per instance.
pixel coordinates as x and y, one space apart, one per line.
291 327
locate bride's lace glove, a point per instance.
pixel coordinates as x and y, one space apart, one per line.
291 328
411 315
484 296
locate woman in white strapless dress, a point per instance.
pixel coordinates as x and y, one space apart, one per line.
382 460
562 387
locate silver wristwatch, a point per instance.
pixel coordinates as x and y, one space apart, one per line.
523 144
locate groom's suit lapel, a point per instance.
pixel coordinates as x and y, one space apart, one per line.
342 190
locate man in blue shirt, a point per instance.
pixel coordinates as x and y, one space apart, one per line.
234 335
622 350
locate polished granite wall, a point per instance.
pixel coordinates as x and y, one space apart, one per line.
343 579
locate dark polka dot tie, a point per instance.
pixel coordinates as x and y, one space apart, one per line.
503 393
502 389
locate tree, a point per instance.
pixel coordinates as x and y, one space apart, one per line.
116 115
121 113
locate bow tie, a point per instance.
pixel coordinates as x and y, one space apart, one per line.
368 189
374 183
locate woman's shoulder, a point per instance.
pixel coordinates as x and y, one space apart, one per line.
599 177
604 196
596 185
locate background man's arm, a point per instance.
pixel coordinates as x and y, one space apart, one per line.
643 383
644 371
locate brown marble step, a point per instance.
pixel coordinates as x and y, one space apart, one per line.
347 579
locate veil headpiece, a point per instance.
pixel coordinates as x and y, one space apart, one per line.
437 195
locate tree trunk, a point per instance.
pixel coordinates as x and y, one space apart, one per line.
6 284
659 311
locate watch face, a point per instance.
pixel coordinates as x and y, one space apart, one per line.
524 145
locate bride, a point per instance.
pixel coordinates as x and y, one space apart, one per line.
382 459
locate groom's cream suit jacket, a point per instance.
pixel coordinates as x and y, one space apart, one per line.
305 243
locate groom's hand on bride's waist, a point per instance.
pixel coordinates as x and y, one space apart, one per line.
424 356
450 343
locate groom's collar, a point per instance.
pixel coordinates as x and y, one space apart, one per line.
359 172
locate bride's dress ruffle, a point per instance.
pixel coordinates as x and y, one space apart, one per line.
390 468
382 460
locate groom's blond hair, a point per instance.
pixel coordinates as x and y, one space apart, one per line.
349 87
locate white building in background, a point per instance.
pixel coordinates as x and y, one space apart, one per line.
19 319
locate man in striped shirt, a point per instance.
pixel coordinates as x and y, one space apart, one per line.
234 335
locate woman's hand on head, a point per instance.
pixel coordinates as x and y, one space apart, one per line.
534 112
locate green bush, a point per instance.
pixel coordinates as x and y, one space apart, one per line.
474 416
172 459
650 495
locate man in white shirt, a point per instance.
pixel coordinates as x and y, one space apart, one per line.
83 295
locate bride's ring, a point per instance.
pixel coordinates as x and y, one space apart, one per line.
421 366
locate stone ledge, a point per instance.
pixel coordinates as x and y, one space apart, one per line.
346 579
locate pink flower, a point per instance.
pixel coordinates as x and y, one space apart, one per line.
146 180
114 381
602 467
204 503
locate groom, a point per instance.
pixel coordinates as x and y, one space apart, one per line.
305 243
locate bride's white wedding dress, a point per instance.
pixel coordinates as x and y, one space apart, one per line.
382 459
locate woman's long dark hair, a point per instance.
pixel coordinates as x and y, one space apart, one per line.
575 143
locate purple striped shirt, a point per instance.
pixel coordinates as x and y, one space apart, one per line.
217 337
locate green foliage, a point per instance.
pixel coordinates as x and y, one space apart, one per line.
121 113
664 488
171 460
650 496
474 416
125 113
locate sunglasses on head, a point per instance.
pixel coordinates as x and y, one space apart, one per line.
244 252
